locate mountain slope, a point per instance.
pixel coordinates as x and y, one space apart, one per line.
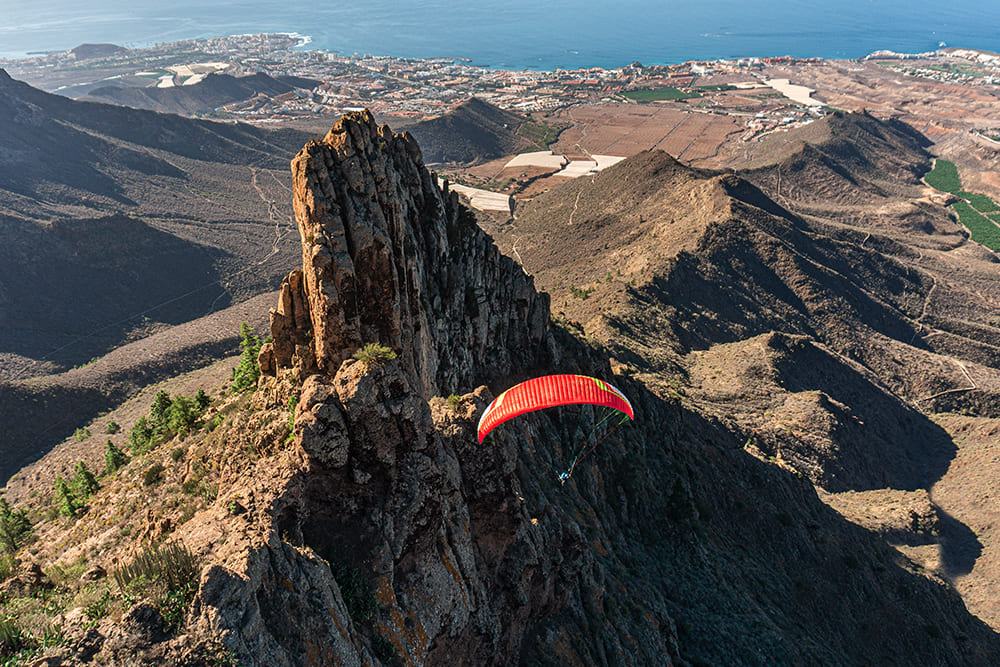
475 131
214 91
40 412
356 517
165 218
695 272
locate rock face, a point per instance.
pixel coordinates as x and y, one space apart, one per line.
379 531
412 539
390 258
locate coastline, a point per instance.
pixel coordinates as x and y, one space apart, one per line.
533 56
307 43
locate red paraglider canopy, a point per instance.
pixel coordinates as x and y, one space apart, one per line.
549 391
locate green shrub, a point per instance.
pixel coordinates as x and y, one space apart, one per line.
167 574
7 566
385 650
114 458
357 592
173 605
215 422
152 474
172 565
177 453
11 637
14 528
112 427
84 484
66 502
99 608
81 434
247 372
374 354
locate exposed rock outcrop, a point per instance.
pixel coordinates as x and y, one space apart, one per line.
390 258
380 531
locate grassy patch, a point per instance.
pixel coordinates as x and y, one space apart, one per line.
541 135
944 177
981 203
982 228
658 94
373 354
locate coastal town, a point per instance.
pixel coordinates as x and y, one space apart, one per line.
425 88
705 113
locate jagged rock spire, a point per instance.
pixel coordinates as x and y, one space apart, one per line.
388 257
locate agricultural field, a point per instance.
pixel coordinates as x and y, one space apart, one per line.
981 203
539 134
983 229
972 211
624 130
944 177
658 94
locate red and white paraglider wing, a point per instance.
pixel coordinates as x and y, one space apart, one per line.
549 391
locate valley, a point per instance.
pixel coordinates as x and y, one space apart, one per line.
809 334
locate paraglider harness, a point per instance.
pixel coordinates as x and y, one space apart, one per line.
587 448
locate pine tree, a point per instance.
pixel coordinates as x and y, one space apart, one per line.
68 505
246 374
158 411
114 458
141 437
182 415
202 400
84 483
14 526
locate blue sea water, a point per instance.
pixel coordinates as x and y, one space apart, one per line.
522 33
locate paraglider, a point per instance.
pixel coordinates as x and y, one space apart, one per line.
556 390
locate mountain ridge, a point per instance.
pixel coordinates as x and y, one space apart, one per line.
214 91
473 132
677 541
80 177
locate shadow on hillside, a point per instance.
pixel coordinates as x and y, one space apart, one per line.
960 548
881 442
91 282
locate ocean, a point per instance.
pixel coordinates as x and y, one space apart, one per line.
522 34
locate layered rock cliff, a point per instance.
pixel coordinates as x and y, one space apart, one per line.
389 258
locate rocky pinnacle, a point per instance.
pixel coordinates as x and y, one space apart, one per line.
389 257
